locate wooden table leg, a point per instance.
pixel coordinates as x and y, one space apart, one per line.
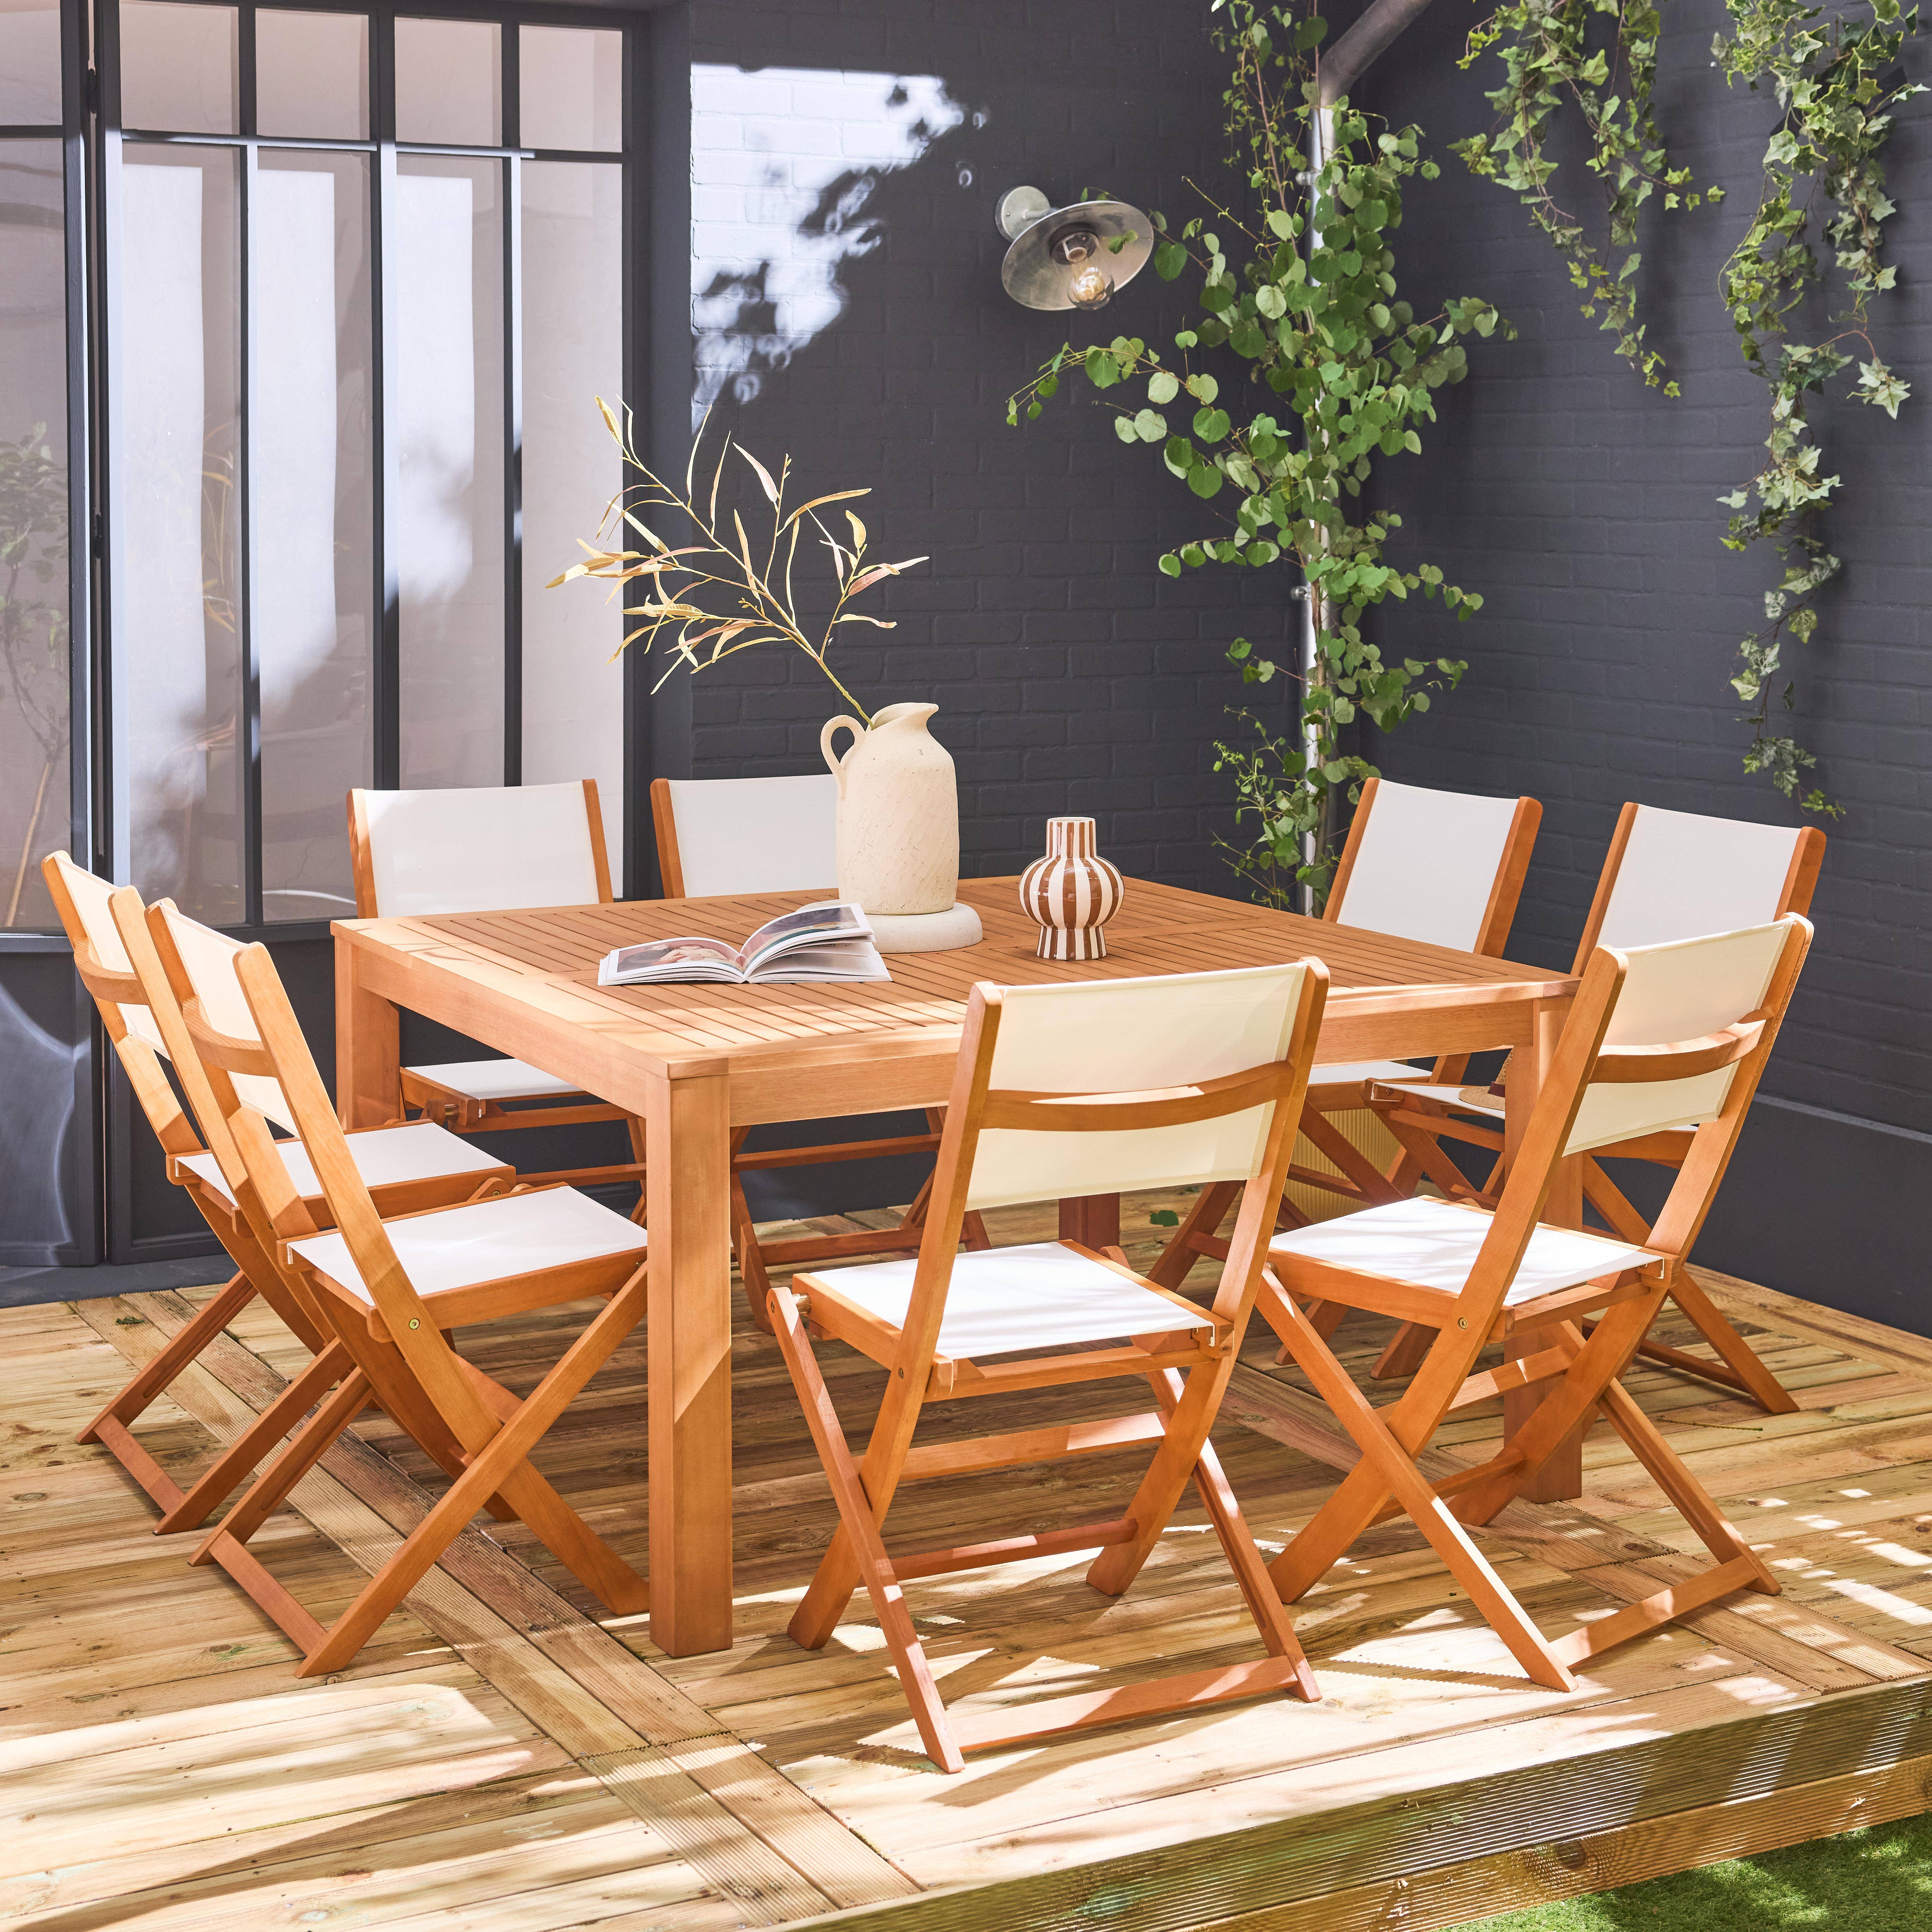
687 1125
1562 1477
1094 1220
368 1048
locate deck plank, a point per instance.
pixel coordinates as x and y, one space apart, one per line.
505 1758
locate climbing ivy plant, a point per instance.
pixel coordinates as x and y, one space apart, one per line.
1298 299
1549 60
1833 78
1829 77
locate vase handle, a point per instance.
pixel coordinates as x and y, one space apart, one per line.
837 765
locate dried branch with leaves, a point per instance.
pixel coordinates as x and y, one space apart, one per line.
714 597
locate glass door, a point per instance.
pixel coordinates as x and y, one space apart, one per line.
48 1135
363 282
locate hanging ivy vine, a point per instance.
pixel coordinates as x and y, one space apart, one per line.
1833 81
1829 76
1549 61
1299 292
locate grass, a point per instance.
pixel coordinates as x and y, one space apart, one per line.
1879 1880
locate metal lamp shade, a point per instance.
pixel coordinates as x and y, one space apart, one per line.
1032 276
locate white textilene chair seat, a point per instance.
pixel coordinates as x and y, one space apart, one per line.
1431 1244
1355 1072
385 1157
1004 1300
485 1241
1464 1100
496 1079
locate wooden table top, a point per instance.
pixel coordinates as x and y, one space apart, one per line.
547 959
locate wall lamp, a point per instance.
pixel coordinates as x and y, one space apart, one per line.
1073 257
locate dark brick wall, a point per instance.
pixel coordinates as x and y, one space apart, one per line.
1584 508
1070 676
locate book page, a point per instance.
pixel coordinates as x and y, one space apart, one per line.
830 920
658 955
847 959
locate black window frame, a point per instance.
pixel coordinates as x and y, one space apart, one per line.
654 210
384 149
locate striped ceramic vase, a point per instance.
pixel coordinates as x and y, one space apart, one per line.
1071 893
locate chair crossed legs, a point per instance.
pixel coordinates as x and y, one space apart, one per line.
407 1166
1667 875
727 838
388 1294
487 848
1065 1091
1470 1275
1444 867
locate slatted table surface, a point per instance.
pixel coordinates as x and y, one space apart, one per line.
1160 929
695 1062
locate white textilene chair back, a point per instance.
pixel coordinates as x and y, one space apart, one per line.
499 848
743 835
1425 864
1133 1036
481 849
89 896
208 958
1682 991
1681 874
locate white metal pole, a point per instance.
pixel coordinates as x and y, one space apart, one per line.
1320 140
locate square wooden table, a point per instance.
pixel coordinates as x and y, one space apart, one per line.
695 1062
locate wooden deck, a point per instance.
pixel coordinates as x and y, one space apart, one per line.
500 1761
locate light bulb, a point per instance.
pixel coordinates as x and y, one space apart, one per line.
1090 286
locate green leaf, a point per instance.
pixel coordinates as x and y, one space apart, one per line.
1169 565
1124 428
1163 385
1203 388
1280 223
1102 371
1210 425
1204 480
1150 425
1169 259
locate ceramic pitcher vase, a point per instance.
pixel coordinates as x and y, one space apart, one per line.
899 813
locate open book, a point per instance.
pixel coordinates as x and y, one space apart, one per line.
829 940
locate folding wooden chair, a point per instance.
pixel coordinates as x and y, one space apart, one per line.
1444 867
1473 1276
406 1166
490 849
390 1294
1668 875
1067 1089
734 838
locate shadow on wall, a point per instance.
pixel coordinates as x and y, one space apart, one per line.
793 159
846 309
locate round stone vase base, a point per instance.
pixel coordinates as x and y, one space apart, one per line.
945 932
